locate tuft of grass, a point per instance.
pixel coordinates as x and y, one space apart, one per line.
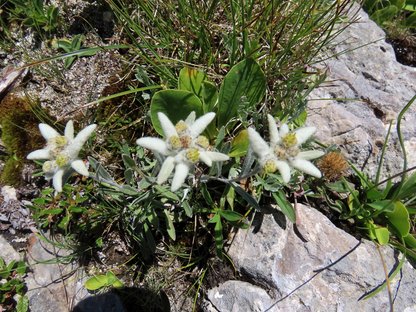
285 37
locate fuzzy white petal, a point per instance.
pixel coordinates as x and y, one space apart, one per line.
306 167
312 154
39 154
181 172
76 145
154 144
273 132
204 157
190 119
69 130
259 146
284 170
166 170
284 129
216 156
201 123
79 166
47 131
303 134
57 180
167 126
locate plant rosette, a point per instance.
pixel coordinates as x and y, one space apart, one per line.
183 147
61 152
284 152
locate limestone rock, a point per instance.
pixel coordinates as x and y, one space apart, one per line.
366 88
287 265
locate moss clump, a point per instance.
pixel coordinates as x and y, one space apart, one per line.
19 134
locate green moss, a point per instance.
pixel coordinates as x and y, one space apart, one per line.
19 134
11 173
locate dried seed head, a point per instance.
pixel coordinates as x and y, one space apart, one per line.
333 166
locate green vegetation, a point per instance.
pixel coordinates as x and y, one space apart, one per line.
234 65
12 284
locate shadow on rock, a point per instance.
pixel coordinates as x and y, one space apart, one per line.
125 300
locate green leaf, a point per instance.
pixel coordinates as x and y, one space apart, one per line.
96 282
382 205
246 196
209 96
284 205
176 104
240 144
384 15
191 79
187 208
231 215
170 228
382 234
399 218
219 238
243 88
410 241
22 304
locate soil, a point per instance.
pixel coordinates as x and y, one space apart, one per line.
405 49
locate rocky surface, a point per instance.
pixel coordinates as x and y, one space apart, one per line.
366 88
318 268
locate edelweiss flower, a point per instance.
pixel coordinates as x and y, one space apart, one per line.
183 147
61 152
283 152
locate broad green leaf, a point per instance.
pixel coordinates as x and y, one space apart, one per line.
399 218
240 144
242 88
382 234
96 282
166 193
191 79
22 304
410 241
382 205
284 205
410 6
170 228
187 208
408 188
209 96
231 216
176 104
384 15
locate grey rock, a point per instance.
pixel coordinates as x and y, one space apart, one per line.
7 252
238 296
375 87
288 268
53 283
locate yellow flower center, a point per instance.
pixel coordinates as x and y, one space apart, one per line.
192 154
48 166
202 141
270 166
289 140
60 141
62 160
175 142
181 127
